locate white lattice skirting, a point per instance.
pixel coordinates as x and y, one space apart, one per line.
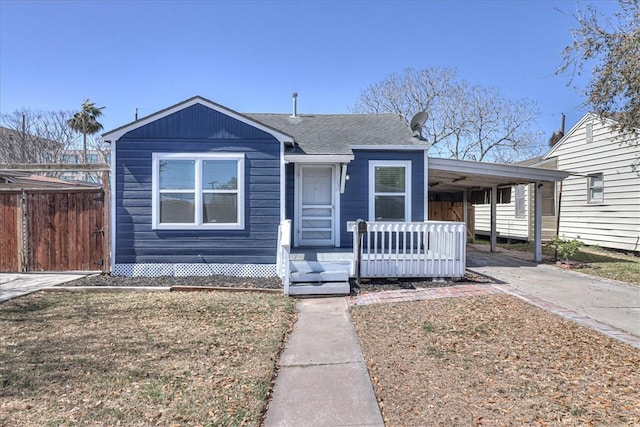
154 270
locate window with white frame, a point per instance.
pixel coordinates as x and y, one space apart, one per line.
595 188
589 132
520 207
548 198
198 191
389 190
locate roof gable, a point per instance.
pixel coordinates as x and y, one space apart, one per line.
574 129
197 118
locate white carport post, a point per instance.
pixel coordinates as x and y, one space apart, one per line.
537 224
494 201
465 206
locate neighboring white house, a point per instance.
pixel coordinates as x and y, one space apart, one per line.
515 218
599 203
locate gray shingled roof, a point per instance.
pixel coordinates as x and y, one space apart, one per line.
336 133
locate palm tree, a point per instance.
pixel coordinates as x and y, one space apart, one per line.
86 122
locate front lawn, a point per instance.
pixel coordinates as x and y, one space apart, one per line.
139 359
494 361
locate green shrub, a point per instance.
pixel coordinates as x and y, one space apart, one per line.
566 248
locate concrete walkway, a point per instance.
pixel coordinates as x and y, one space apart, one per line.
13 285
323 379
609 302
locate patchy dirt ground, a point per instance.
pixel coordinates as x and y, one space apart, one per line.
494 361
168 281
372 285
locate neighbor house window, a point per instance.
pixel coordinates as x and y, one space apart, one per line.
198 191
390 190
521 211
589 132
548 196
595 187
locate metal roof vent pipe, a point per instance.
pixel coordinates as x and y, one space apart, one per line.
295 104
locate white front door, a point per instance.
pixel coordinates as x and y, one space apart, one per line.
316 205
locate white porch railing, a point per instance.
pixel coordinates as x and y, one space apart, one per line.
411 249
283 264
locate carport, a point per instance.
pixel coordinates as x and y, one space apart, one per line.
463 176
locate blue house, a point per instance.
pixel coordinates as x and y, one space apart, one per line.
198 188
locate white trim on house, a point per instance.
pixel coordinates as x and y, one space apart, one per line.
386 147
283 184
116 134
520 174
407 186
318 158
426 188
198 191
112 206
335 206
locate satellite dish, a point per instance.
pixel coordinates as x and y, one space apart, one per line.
418 121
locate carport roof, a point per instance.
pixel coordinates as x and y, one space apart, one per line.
450 175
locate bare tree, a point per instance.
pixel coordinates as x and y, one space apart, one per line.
28 136
608 48
464 122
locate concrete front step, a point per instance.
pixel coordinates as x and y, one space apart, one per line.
320 280
319 288
319 276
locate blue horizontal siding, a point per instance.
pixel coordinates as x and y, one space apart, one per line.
196 129
198 122
354 202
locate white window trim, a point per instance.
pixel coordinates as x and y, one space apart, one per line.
407 185
198 224
588 130
591 200
519 201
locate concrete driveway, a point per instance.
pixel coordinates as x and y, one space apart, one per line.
611 302
13 285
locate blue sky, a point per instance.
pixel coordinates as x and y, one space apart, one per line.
250 55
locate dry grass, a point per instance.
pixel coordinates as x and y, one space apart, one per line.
609 264
139 359
494 360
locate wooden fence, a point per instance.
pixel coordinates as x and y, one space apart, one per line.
453 211
52 230
60 228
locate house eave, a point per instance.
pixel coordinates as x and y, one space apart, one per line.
406 147
461 175
318 158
